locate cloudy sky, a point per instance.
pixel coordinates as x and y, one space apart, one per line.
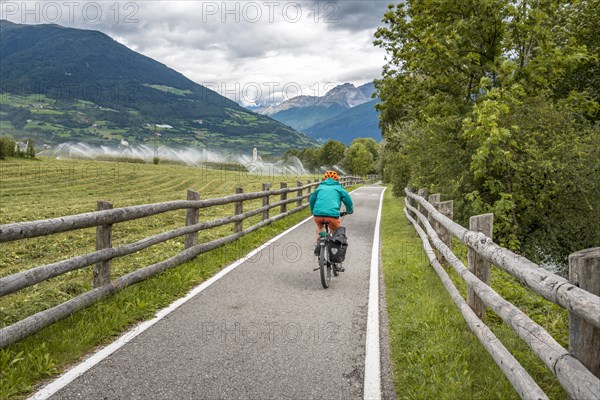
250 51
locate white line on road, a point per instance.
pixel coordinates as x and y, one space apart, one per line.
372 359
78 370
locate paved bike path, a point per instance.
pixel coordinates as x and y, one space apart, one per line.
266 330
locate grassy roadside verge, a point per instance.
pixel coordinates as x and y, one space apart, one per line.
433 353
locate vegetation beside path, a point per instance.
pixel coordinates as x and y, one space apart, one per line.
434 355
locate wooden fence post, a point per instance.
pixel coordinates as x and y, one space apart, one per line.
191 218
434 200
309 189
423 193
299 194
584 338
412 203
477 265
239 208
101 274
447 209
265 201
283 185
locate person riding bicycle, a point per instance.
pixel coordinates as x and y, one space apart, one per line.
326 201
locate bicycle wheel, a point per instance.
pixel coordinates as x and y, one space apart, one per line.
324 267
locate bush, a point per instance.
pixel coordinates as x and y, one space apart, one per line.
7 147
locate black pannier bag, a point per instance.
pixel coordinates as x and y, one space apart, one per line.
338 244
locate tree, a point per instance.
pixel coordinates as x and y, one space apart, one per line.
310 158
332 153
359 159
371 145
7 146
495 104
30 151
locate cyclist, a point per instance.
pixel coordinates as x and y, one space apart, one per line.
326 201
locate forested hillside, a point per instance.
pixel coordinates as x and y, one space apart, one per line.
62 84
495 104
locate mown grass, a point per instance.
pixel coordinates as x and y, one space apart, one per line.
434 355
46 188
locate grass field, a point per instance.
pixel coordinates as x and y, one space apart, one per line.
47 188
434 355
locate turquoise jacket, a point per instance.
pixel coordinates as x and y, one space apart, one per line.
327 199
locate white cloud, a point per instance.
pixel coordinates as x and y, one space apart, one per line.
236 45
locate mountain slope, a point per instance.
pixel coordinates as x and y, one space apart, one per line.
358 122
66 66
345 96
343 113
368 89
303 118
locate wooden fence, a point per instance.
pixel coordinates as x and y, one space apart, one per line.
578 370
106 217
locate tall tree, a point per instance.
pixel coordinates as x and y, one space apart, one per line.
359 159
371 145
332 153
30 148
479 98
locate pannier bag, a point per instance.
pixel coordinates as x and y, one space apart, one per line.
338 244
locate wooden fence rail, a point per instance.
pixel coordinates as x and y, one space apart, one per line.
575 377
548 285
105 218
516 374
24 230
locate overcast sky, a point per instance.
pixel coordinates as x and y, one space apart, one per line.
250 51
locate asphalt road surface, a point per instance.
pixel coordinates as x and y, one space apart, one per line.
266 330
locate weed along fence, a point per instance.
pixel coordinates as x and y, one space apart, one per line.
107 216
578 370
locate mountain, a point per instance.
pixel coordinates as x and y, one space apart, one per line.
368 90
344 113
357 122
296 102
302 118
345 95
82 85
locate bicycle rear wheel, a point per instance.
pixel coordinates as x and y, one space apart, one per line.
324 267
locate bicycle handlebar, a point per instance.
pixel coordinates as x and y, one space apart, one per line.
343 214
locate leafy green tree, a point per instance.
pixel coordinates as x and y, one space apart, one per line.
495 104
7 146
359 159
332 153
392 165
371 145
310 158
30 152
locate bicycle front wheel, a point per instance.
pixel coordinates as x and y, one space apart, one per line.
324 267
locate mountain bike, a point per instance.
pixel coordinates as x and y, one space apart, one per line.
327 267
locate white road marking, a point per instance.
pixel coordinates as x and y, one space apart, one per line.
372 384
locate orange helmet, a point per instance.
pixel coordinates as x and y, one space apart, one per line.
332 175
